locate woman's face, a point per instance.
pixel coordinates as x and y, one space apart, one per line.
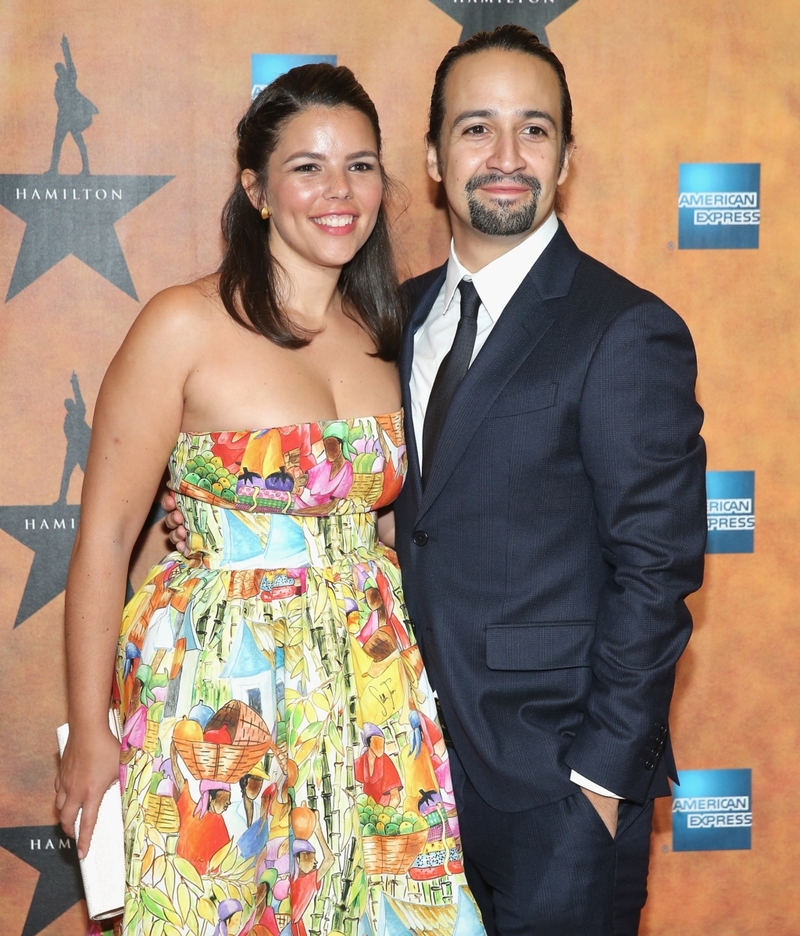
333 448
306 861
324 188
219 802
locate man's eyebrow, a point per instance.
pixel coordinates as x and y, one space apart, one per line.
537 115
472 114
488 113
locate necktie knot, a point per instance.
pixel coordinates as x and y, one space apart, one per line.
470 300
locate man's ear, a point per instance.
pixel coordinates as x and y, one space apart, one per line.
249 180
564 171
434 164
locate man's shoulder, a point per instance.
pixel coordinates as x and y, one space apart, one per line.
595 280
608 279
414 289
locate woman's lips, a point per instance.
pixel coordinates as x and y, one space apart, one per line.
336 224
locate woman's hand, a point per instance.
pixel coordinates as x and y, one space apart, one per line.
88 768
174 521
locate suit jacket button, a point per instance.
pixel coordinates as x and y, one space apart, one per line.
649 764
420 538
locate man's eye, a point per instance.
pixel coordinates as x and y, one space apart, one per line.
477 130
535 131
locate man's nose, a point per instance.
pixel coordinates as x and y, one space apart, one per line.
506 154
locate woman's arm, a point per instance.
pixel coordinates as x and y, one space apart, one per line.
136 422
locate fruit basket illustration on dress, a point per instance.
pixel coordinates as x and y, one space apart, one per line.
391 839
235 739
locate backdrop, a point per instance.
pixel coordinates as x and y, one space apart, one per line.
118 125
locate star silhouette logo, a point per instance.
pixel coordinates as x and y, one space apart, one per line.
475 17
54 856
48 530
72 214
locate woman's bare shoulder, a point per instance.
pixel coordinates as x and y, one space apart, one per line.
184 307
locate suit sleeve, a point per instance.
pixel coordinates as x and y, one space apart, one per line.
642 451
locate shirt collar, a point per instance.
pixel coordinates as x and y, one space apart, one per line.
499 280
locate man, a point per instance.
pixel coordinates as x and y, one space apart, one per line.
553 520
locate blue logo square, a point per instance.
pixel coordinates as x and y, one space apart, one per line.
712 810
719 206
265 68
730 506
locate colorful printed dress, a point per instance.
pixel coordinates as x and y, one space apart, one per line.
282 770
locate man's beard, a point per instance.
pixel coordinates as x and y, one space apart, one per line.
499 217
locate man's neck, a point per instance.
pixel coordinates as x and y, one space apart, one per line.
476 250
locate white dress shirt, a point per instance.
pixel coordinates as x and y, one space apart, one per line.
495 283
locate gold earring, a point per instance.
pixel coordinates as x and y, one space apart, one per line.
265 212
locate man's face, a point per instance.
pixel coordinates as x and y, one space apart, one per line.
500 152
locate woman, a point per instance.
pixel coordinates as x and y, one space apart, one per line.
253 653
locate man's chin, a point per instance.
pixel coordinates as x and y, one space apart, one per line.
503 225
503 217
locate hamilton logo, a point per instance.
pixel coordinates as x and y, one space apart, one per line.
476 15
53 855
48 530
72 214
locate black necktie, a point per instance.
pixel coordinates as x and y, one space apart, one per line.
451 373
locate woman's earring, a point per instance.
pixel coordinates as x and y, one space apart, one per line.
265 212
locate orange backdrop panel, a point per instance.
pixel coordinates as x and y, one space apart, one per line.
653 85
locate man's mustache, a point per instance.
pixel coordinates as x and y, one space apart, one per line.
493 178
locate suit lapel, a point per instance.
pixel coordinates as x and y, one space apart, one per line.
526 318
431 284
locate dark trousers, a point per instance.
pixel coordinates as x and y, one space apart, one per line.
554 870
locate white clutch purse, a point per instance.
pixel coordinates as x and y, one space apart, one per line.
103 868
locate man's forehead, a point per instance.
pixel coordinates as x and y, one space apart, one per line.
499 79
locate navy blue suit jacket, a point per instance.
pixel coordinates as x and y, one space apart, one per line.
563 523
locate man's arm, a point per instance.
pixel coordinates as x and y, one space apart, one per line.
640 443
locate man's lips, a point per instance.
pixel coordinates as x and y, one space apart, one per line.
507 191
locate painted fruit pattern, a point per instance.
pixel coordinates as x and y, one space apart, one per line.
283 771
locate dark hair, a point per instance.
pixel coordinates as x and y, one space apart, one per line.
509 38
250 278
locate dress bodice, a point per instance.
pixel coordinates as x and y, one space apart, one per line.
328 469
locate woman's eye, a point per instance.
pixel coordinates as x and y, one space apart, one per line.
306 167
362 167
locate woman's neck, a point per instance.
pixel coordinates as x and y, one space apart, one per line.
311 291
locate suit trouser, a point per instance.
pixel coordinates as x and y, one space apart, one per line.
554 870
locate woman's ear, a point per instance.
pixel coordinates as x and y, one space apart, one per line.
249 180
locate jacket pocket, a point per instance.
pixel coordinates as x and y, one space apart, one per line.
516 402
539 646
